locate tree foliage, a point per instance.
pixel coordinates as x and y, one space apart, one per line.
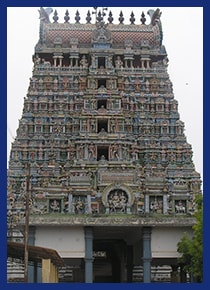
192 248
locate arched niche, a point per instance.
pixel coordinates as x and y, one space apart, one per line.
117 198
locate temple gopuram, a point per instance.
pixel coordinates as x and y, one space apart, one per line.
100 170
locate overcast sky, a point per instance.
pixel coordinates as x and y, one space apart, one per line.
183 40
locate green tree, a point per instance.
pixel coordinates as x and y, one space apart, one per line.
192 248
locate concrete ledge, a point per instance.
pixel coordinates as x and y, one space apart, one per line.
51 220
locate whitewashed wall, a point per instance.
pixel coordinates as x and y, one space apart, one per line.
68 242
164 241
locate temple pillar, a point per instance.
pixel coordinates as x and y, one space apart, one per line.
147 254
148 63
88 255
70 61
55 60
76 61
60 60
131 62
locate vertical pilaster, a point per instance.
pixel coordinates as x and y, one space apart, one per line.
70 198
165 204
88 255
86 151
146 204
147 254
88 210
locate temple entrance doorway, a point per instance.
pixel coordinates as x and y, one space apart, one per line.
108 265
116 249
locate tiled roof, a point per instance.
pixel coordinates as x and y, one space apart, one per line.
83 32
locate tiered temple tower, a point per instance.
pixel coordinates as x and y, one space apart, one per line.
102 145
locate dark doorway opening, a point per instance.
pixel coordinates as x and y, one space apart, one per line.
101 62
101 83
108 269
102 125
102 153
101 104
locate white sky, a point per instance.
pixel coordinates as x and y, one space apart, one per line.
183 40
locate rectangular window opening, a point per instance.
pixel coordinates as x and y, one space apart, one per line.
102 126
101 62
102 153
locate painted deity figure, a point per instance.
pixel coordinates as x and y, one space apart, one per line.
83 62
135 151
118 62
123 202
180 207
91 151
54 206
79 206
37 60
115 152
117 201
80 151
